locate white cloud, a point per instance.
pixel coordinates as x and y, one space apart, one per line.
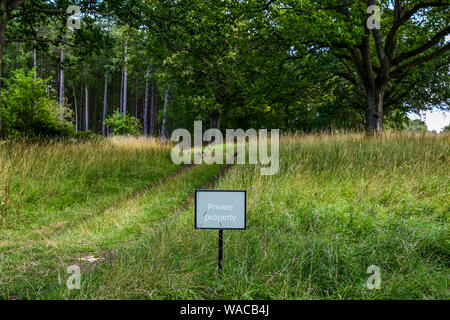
434 119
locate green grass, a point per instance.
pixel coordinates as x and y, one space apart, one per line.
338 205
51 187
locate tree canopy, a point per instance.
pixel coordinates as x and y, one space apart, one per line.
293 65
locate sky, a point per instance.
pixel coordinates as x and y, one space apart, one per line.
434 119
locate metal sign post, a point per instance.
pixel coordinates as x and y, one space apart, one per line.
220 249
221 209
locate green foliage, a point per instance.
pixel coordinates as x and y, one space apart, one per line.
446 128
416 77
29 108
399 120
280 64
123 124
417 125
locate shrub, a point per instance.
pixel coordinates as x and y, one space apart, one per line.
29 108
123 124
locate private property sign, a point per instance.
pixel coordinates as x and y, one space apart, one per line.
220 209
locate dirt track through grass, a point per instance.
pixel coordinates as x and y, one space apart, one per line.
48 188
35 264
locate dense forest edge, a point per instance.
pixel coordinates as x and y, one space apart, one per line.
88 68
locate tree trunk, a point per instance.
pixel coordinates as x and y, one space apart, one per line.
374 111
125 75
164 120
86 110
121 92
34 60
76 108
2 46
61 85
81 106
153 110
215 119
4 18
105 105
137 99
94 124
286 119
146 100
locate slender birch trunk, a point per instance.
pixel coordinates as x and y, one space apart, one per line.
374 110
34 61
61 84
86 110
3 23
121 92
153 110
4 18
166 103
146 100
94 113
136 92
125 75
44 63
76 108
105 106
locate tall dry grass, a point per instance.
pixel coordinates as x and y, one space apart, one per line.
40 180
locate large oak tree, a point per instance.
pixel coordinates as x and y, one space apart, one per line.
376 60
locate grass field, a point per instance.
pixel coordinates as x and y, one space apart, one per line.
338 205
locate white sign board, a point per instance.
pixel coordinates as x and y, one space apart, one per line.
220 209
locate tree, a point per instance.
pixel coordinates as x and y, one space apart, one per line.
27 12
147 73
446 128
164 120
417 125
200 49
294 65
374 60
19 18
105 97
61 80
28 110
123 124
